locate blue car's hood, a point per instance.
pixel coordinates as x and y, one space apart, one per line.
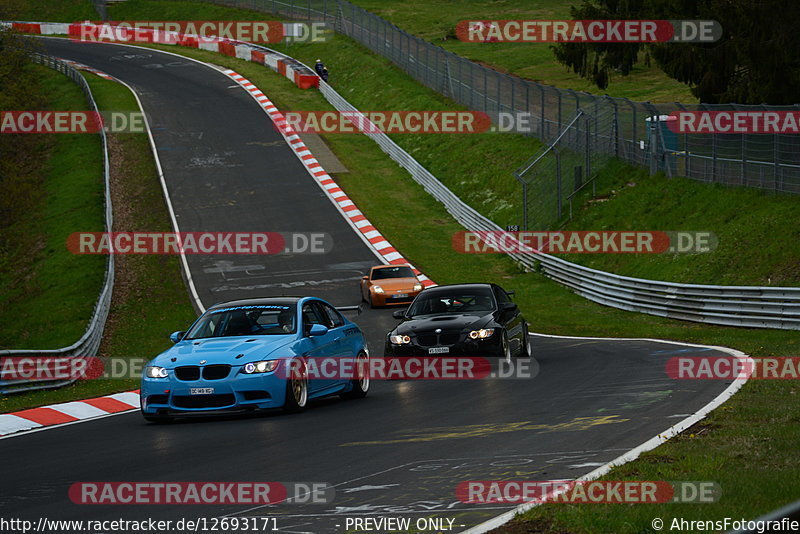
223 350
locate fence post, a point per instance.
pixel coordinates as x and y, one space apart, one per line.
558 182
542 113
588 157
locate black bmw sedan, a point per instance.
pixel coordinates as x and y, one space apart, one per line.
460 319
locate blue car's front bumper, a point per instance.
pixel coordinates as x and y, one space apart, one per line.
238 392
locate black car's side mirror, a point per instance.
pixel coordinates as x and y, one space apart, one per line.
399 314
508 307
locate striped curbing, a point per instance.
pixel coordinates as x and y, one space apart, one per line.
374 239
68 412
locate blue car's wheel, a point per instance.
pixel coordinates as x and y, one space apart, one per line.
296 388
360 383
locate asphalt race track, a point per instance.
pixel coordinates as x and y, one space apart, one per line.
399 452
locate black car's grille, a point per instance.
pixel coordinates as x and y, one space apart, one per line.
187 372
426 340
448 339
203 401
432 340
216 372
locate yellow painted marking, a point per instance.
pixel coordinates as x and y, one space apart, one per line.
483 430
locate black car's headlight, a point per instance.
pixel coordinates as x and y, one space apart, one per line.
400 340
483 333
153 371
264 366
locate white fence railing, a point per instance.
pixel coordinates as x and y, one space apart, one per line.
88 345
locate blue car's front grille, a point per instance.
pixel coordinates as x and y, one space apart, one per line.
189 373
216 372
203 401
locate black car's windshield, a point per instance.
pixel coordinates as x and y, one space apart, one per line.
392 272
254 320
471 300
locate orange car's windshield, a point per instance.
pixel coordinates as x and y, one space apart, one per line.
392 272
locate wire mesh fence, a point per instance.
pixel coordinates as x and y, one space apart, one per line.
563 170
638 132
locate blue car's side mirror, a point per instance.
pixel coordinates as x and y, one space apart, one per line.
176 336
318 330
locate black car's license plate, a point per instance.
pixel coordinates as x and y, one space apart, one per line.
439 350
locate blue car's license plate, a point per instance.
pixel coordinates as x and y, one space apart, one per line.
201 391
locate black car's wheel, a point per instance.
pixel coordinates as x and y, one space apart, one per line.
505 347
361 380
525 349
296 387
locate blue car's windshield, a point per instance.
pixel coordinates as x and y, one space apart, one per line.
254 320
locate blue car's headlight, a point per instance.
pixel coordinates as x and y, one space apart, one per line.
264 366
153 371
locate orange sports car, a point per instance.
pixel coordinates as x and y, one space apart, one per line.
390 284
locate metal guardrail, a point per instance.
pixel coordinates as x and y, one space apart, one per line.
89 343
748 306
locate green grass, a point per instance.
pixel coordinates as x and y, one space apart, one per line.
150 298
436 22
748 446
48 293
58 11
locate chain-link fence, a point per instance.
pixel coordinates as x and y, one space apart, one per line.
561 171
638 133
